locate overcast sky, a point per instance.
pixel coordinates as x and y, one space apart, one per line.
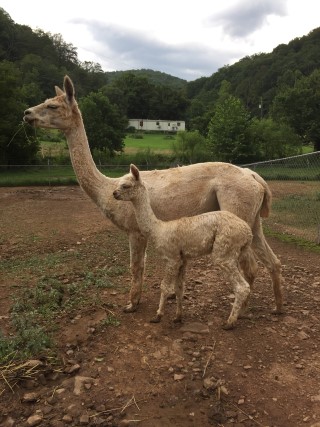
187 39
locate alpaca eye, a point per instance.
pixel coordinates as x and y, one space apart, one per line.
125 186
52 106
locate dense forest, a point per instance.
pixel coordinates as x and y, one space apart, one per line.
264 106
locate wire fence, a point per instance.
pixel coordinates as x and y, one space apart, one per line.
294 182
295 186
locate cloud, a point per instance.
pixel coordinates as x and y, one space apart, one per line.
247 16
131 49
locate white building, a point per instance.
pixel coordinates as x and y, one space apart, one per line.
157 125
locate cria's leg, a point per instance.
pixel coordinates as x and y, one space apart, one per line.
271 262
179 288
249 267
241 291
138 246
168 284
225 255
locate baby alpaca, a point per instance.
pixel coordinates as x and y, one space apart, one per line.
222 234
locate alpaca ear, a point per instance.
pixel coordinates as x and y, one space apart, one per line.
69 89
135 171
58 91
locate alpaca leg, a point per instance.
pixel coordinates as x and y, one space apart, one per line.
179 288
226 254
241 291
168 284
271 262
138 245
249 267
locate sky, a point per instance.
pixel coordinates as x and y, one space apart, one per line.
187 39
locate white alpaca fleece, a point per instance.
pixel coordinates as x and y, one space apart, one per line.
222 234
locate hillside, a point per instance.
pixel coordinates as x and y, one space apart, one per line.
154 77
259 76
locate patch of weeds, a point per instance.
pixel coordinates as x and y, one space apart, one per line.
287 238
75 295
116 270
110 320
30 339
44 300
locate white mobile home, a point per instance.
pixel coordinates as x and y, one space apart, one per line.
157 125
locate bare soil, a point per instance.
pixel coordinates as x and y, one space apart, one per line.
265 372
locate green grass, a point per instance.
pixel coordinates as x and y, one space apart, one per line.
41 294
158 143
290 239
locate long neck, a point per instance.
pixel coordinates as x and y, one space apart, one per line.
146 219
89 177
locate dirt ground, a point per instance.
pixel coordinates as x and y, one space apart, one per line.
265 372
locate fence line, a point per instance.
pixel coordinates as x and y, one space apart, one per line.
295 186
294 182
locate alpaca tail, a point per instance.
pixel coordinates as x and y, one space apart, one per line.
267 198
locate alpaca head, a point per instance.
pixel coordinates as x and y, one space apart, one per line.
129 186
57 112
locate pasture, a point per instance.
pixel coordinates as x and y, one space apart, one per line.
64 279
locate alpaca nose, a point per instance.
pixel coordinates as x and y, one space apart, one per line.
115 194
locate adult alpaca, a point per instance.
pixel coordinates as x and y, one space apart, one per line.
202 187
223 235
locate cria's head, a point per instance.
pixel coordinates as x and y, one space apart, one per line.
128 185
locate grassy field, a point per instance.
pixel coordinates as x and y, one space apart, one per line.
158 143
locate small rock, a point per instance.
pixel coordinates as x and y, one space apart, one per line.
78 383
195 328
178 377
84 419
67 419
34 420
299 366
72 369
302 335
30 397
209 383
241 401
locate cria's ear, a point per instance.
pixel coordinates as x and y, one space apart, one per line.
58 91
135 171
68 88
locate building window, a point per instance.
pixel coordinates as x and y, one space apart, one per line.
178 124
168 124
158 123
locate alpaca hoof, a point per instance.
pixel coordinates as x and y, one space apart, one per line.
156 319
171 296
130 308
228 326
177 319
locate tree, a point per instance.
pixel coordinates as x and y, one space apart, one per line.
17 142
273 140
299 107
228 132
190 147
105 125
